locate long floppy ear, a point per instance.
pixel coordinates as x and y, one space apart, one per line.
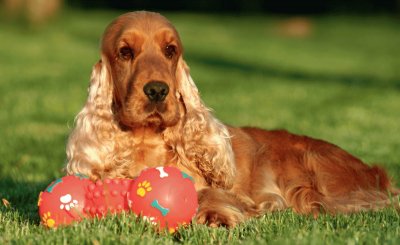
201 141
90 142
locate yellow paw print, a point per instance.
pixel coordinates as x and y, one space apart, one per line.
144 187
47 220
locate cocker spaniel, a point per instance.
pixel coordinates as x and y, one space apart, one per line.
144 110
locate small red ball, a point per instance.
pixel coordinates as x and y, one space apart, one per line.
63 201
164 196
107 196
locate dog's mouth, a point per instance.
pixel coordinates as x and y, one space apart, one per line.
154 119
157 115
154 115
155 108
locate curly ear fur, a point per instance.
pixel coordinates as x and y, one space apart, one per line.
200 140
90 148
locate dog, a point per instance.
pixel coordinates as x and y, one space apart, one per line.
144 110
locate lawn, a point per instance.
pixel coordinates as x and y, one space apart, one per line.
341 83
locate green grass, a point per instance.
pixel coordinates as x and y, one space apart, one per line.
341 84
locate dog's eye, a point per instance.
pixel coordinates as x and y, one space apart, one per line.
170 51
126 53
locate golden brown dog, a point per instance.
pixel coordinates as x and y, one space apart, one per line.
144 110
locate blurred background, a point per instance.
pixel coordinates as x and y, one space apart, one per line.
37 11
329 69
266 6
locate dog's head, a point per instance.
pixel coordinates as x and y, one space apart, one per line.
143 51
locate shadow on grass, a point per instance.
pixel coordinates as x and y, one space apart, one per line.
23 198
358 80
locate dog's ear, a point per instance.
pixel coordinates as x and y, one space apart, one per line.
187 88
201 141
100 88
89 142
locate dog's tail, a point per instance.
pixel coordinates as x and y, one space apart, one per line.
375 193
364 200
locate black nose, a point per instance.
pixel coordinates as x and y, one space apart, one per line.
156 91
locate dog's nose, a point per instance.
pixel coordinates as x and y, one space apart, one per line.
156 91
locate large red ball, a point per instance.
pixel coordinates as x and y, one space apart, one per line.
164 196
63 201
107 196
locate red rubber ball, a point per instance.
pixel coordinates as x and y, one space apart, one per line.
107 196
63 201
164 196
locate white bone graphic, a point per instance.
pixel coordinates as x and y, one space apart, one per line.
163 174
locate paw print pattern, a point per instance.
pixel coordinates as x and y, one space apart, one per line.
144 187
47 220
67 203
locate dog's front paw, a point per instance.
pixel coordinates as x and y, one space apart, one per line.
221 216
219 207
